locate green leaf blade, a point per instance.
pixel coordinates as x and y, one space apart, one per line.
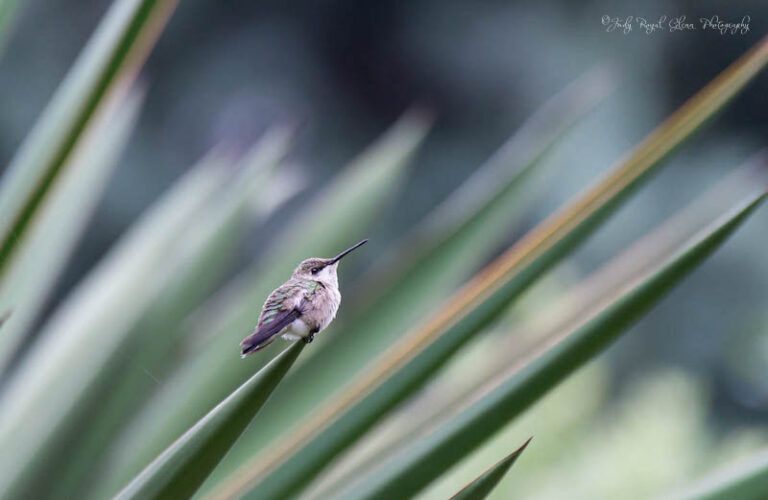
572 306
47 392
456 238
324 227
481 487
180 469
408 472
204 252
46 246
291 464
112 56
745 479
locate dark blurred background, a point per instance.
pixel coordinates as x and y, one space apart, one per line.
343 71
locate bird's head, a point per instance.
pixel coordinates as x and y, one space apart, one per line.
323 270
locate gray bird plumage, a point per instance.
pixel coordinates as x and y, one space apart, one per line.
303 306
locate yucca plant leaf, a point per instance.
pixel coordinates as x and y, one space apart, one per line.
454 239
183 466
571 307
745 479
646 252
61 218
55 384
292 463
425 459
205 249
253 193
481 487
112 56
325 225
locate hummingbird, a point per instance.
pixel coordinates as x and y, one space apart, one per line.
302 306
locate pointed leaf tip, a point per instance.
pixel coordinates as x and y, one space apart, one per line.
180 470
481 487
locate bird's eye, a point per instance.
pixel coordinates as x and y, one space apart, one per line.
315 270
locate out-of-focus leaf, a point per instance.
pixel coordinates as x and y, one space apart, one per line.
425 459
113 55
54 386
452 242
572 307
481 487
293 462
205 250
182 467
253 193
340 214
645 253
6 13
44 249
745 479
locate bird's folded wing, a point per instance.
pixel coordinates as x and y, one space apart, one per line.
266 330
282 308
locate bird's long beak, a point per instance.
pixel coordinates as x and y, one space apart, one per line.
348 250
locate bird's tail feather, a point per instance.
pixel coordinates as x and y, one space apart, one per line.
252 344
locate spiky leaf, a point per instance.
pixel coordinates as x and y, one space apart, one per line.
45 248
481 487
292 463
113 56
326 225
432 260
49 394
205 252
745 479
184 465
424 460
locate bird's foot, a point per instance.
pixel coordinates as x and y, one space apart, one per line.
309 338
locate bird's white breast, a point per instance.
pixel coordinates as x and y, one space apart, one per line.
333 304
296 330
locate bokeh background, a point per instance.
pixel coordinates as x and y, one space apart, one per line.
687 388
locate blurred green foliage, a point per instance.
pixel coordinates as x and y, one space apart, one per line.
133 386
